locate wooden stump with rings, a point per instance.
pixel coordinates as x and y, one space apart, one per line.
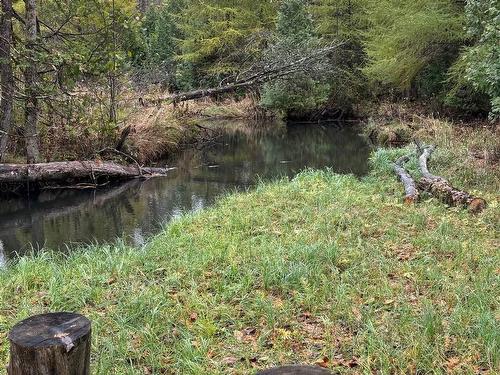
50 344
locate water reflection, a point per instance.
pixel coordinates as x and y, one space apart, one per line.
137 209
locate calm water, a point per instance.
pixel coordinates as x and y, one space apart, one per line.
138 209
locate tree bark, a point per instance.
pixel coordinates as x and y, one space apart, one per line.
56 343
442 189
6 76
71 173
411 190
30 81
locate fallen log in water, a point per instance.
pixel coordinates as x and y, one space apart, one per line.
442 189
411 192
69 174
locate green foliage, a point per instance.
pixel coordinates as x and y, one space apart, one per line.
483 59
156 56
221 37
294 24
158 36
294 36
296 96
413 39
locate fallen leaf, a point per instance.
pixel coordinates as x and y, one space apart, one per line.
323 362
193 317
250 331
452 362
229 361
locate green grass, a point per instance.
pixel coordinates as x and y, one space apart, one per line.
323 268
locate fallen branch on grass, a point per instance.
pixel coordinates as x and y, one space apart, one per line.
437 186
442 189
411 191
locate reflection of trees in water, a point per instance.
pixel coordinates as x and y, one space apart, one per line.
282 153
139 208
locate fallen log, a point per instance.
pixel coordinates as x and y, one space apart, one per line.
67 174
442 189
411 191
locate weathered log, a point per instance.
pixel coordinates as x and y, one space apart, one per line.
296 370
70 173
442 189
49 344
411 190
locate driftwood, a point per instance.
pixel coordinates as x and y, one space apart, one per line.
69 174
437 186
442 189
411 191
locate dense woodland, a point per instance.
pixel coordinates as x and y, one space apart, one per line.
67 65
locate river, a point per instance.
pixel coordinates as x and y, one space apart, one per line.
133 211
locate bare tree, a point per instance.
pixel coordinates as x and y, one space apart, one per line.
30 81
6 75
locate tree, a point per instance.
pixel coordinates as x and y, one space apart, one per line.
294 36
412 43
30 82
345 20
223 37
6 75
483 58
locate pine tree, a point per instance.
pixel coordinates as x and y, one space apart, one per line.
294 36
483 59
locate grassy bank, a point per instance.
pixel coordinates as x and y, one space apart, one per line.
322 269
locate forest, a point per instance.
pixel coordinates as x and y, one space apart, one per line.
269 187
72 72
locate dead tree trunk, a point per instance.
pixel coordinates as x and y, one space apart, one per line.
56 343
442 189
6 76
411 191
70 174
30 82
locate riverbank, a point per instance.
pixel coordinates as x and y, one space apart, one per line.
323 269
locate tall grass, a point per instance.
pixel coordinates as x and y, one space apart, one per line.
322 269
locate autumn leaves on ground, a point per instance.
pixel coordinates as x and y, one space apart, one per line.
323 269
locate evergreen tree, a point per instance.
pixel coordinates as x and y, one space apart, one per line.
294 36
412 43
222 37
483 59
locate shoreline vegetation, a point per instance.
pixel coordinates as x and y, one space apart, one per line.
323 269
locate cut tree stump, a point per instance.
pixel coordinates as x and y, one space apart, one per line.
50 344
296 370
